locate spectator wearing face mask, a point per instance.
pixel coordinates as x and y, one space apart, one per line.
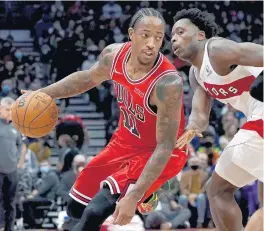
19 57
43 195
208 146
192 187
7 89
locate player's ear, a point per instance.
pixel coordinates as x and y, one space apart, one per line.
130 33
201 35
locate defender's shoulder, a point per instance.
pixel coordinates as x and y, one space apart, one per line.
219 48
216 43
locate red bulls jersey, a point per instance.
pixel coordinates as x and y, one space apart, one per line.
137 124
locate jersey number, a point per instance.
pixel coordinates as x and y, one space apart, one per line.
130 123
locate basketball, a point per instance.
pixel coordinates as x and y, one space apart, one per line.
34 114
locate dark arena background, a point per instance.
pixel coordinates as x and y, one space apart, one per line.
43 42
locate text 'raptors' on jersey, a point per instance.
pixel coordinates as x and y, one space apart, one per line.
245 150
233 88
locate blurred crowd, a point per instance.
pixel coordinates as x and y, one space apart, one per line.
80 30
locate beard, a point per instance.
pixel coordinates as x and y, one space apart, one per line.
145 62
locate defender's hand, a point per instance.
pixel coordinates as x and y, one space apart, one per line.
187 137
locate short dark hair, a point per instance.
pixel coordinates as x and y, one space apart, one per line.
203 20
145 12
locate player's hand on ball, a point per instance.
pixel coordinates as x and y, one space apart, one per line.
187 137
125 210
34 114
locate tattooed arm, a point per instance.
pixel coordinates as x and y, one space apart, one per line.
168 93
81 81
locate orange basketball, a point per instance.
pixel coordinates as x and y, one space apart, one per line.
34 114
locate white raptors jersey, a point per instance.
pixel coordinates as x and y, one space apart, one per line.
233 88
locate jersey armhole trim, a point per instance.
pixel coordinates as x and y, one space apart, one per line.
115 59
151 86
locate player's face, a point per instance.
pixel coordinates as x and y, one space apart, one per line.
146 38
5 112
185 37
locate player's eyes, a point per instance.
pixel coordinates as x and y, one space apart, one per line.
158 38
144 35
180 32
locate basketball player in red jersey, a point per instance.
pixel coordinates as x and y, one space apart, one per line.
224 70
140 157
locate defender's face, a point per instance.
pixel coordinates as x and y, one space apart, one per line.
146 38
184 38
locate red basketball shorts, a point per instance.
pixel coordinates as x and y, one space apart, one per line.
119 167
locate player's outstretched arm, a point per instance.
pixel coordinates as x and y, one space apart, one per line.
227 52
81 81
168 94
199 117
201 105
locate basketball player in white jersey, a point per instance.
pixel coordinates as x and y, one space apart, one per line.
224 70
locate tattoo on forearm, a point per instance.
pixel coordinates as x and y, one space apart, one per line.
71 85
169 92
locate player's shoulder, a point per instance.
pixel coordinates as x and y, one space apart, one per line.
218 48
217 43
108 54
112 49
